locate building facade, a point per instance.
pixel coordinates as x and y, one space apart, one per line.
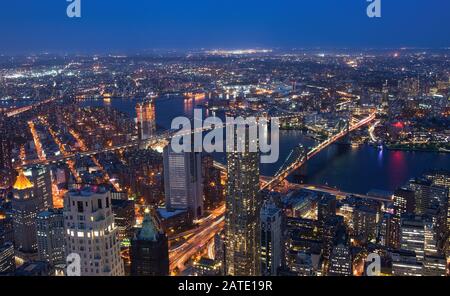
146 119
90 232
242 212
271 239
25 208
183 182
50 236
149 250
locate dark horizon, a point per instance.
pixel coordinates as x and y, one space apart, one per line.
180 52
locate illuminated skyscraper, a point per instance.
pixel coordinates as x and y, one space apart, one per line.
404 203
242 213
387 231
50 237
435 265
340 263
365 221
6 168
442 179
25 207
183 182
5 152
90 232
427 194
405 263
385 95
146 119
271 239
41 179
418 235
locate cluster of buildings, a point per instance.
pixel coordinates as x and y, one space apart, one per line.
407 232
135 211
37 239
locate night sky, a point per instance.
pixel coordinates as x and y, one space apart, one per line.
33 26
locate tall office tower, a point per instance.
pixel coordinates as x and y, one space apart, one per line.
146 119
183 182
417 235
385 96
340 263
387 231
242 210
5 151
404 203
149 250
41 179
50 236
435 265
90 232
439 223
365 222
7 264
6 168
271 239
442 179
25 208
326 208
405 263
427 194
329 229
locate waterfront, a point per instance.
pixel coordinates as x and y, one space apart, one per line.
351 169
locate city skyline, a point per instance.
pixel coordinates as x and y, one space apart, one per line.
218 139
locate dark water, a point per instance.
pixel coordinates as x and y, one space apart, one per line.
350 169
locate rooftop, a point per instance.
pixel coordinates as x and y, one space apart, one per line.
166 214
22 182
88 191
148 231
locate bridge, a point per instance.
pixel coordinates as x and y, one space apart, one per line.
301 159
17 111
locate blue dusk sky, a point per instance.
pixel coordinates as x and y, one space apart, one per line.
32 26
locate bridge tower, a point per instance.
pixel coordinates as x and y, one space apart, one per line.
344 125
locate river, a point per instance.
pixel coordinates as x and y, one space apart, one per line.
350 169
